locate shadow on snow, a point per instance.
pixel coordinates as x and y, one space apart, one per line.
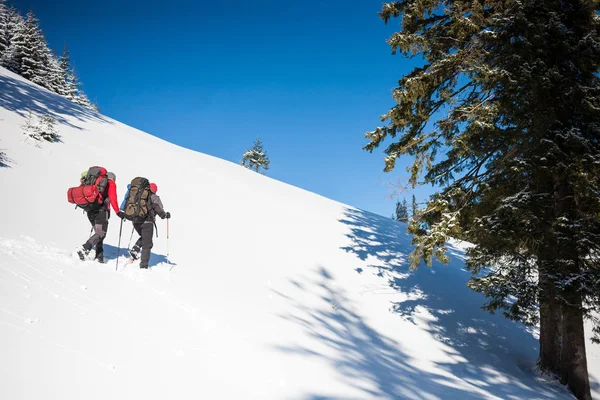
380 367
110 253
4 160
22 98
479 346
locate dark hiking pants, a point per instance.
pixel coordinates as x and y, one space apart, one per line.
145 230
99 220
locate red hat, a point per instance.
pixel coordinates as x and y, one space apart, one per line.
153 188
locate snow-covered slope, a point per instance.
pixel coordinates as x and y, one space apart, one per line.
269 291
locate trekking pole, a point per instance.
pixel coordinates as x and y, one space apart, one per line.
167 239
168 245
130 238
119 246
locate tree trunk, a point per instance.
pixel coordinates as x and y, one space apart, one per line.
550 324
573 371
573 361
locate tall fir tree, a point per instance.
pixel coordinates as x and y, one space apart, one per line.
31 55
54 75
517 81
72 88
81 98
64 62
256 158
69 76
414 207
4 38
402 211
12 24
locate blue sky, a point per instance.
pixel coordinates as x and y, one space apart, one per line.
307 77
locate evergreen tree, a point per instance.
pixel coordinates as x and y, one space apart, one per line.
71 84
256 158
4 39
64 62
72 87
94 106
24 50
414 207
30 52
81 98
54 76
402 211
42 128
12 23
69 76
518 84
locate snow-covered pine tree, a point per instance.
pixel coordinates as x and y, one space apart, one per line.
72 84
55 77
64 62
256 158
402 211
47 129
81 98
42 128
4 41
414 207
94 106
72 89
30 53
13 23
24 50
518 86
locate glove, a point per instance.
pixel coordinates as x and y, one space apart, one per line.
167 215
121 214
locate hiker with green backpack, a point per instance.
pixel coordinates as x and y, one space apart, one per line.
142 205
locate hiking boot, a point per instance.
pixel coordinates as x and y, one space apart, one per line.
82 252
100 258
134 253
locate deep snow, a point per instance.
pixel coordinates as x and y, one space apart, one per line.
269 291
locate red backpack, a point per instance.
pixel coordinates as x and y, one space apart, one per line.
90 193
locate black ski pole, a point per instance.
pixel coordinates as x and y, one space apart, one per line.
130 239
168 262
119 246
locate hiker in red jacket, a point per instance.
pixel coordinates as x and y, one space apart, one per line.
98 217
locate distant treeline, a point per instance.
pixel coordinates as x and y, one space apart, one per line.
24 50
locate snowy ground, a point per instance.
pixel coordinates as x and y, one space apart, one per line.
268 291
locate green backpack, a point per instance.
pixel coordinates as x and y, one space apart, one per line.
138 197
